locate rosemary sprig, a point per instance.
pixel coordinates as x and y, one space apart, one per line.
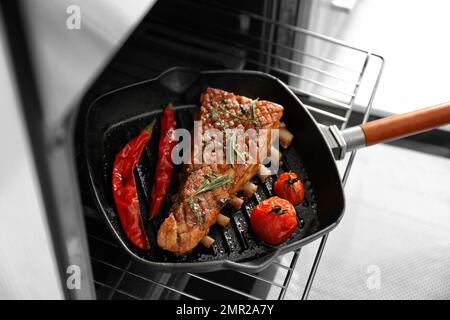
251 109
218 119
234 115
253 112
205 186
194 206
233 152
208 185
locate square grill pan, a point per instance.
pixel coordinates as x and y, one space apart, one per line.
114 118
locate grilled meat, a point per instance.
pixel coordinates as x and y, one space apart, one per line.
194 212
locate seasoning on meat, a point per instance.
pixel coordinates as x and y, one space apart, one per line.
183 230
209 184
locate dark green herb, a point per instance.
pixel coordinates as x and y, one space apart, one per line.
195 209
251 109
254 119
210 183
233 149
234 115
218 119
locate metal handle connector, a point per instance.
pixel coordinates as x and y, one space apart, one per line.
341 142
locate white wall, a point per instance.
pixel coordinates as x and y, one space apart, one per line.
413 36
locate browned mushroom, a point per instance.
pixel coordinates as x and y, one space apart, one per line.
250 189
236 202
223 220
207 241
263 173
285 137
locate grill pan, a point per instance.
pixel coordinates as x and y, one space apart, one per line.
115 117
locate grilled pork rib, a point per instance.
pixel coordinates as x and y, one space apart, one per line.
193 213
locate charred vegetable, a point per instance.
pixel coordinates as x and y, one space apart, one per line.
288 186
286 137
124 188
164 166
274 220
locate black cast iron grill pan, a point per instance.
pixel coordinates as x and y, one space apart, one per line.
114 118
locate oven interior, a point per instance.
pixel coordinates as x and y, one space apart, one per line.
210 35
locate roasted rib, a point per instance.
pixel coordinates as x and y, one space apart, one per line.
192 214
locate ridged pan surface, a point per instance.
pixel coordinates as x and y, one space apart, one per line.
116 117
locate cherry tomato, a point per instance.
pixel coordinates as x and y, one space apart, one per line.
274 220
288 186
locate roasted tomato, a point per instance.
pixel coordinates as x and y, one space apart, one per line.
274 220
288 186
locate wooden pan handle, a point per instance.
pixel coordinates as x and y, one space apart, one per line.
402 125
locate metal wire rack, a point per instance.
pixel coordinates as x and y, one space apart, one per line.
327 74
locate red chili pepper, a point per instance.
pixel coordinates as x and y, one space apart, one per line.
124 187
164 167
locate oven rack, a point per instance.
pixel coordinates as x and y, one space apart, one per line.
327 74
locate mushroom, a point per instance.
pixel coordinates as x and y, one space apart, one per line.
263 173
249 189
275 154
223 220
285 137
207 241
236 202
